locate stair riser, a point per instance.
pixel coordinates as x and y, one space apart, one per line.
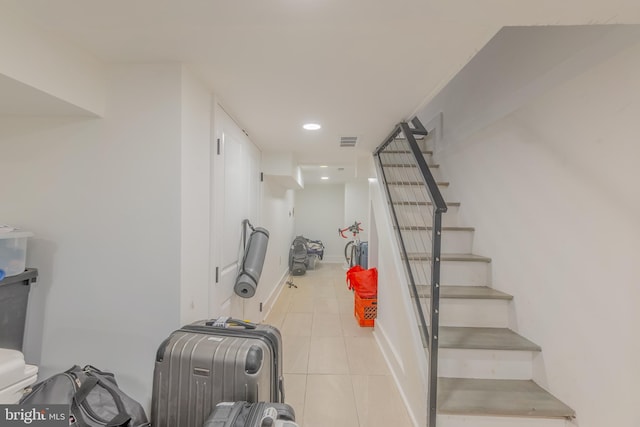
485 364
404 171
412 215
413 193
453 241
482 421
455 272
404 158
479 313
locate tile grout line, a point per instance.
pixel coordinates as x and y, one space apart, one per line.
306 389
343 333
353 390
351 375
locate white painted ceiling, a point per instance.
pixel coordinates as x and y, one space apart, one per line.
355 66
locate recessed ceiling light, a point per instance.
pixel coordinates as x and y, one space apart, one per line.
311 126
324 166
324 177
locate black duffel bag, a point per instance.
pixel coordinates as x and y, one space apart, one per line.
93 396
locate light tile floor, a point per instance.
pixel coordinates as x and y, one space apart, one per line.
334 372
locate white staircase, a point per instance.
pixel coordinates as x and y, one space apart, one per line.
485 369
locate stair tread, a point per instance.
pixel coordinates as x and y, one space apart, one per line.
464 292
429 228
449 257
484 339
524 398
415 183
406 165
416 203
429 152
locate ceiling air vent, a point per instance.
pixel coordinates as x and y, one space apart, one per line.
348 141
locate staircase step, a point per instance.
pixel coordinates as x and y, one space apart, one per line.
489 353
471 306
484 339
455 269
406 165
449 257
453 420
414 183
429 228
408 210
400 169
427 152
506 398
486 364
464 292
416 203
454 239
414 189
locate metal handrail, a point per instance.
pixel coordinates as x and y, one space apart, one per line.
405 257
430 332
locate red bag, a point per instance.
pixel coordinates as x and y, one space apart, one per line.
350 273
363 282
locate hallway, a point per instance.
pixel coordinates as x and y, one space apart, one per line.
335 374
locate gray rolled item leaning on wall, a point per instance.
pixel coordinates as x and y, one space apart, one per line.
247 280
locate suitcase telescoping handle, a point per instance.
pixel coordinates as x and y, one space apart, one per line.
227 322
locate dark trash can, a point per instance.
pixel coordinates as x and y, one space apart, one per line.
362 255
14 296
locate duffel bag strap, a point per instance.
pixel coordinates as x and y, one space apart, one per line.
120 420
108 376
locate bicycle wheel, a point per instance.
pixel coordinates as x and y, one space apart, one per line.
349 250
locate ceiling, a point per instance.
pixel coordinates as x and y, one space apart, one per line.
357 67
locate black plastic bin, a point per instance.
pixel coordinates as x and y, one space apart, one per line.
14 295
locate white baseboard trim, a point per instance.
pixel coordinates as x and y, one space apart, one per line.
275 294
389 353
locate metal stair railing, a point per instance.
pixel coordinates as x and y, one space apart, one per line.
409 184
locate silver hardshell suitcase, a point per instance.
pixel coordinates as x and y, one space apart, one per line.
245 414
208 362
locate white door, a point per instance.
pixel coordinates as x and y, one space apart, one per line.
236 197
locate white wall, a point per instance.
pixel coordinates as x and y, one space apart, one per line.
551 189
356 205
283 168
277 217
103 198
519 63
195 213
396 330
323 208
52 66
319 212
122 210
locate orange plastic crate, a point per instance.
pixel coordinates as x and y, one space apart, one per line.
365 310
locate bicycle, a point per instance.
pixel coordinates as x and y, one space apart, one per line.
352 245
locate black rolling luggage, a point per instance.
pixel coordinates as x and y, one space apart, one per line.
298 257
245 414
208 362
